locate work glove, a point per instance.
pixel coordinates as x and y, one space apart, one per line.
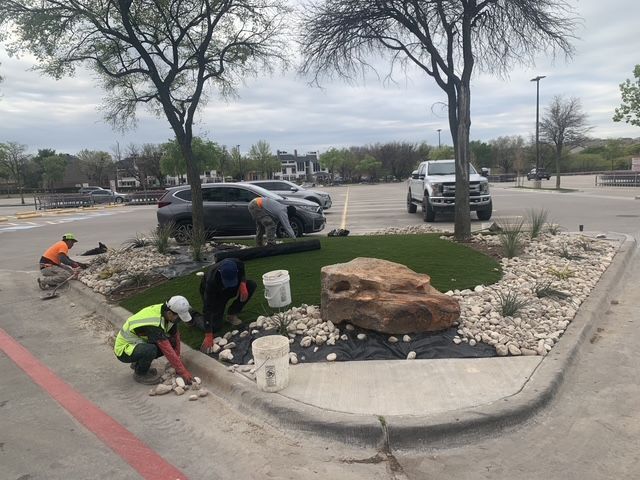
175 342
170 354
243 292
207 343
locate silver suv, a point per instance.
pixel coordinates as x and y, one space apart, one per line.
226 211
290 189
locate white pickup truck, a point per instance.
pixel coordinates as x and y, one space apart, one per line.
433 186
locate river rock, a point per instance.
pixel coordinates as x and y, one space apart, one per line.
385 297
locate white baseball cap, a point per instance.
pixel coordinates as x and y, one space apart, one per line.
180 306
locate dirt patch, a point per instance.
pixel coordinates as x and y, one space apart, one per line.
120 294
493 251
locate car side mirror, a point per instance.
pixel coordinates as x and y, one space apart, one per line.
293 189
414 175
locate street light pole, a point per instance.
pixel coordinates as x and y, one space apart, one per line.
537 80
439 130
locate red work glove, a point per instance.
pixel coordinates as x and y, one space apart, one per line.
175 342
170 354
243 292
207 343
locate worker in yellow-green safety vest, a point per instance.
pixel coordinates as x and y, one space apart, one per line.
152 333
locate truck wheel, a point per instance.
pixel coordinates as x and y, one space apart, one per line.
411 207
428 213
485 214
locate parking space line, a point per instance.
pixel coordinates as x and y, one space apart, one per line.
132 450
343 223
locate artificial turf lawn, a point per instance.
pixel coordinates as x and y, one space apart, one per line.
450 265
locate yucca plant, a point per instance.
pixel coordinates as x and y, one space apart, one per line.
585 244
545 288
161 235
553 228
537 219
566 253
511 238
139 279
137 242
563 274
197 240
511 303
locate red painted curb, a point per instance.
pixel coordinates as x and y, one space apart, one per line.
143 459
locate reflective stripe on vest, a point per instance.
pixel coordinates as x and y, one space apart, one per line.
127 339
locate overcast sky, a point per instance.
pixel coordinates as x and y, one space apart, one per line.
283 110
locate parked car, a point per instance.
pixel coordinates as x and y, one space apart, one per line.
290 189
107 196
88 189
226 211
538 174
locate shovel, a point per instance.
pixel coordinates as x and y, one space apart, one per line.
54 293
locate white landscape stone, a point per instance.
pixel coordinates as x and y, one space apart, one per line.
331 357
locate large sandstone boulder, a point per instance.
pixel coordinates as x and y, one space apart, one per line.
384 296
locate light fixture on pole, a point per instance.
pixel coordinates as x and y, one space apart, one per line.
537 80
439 130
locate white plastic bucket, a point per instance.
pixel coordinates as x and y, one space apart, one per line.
271 358
276 288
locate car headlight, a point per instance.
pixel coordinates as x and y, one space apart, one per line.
484 187
308 208
437 188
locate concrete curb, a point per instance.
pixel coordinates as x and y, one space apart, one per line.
401 432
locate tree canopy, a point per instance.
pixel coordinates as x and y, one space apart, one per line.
159 54
445 39
629 110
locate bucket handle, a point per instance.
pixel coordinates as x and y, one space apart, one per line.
270 297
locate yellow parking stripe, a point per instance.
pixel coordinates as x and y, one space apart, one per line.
343 224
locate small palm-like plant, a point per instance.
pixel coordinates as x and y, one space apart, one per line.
281 321
511 238
537 219
545 288
511 303
585 244
563 274
138 241
197 240
566 253
553 228
161 235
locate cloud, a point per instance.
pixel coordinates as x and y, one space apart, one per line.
288 113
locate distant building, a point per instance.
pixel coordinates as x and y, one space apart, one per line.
297 168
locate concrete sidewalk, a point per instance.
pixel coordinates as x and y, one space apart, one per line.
404 404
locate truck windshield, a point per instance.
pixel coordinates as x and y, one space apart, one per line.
448 168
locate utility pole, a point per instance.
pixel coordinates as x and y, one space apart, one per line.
537 183
439 130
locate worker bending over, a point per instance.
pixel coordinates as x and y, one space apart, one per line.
55 264
222 282
152 333
267 212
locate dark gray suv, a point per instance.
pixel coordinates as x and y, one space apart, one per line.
226 211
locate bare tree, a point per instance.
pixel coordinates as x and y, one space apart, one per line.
446 39
13 159
264 159
564 124
96 165
160 54
507 151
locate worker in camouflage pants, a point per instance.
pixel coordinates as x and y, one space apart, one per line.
267 212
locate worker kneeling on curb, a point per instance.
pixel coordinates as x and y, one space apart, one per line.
152 333
222 282
55 265
267 212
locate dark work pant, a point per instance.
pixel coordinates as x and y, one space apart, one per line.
143 354
218 302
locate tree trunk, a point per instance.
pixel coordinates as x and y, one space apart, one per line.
462 229
193 177
558 158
